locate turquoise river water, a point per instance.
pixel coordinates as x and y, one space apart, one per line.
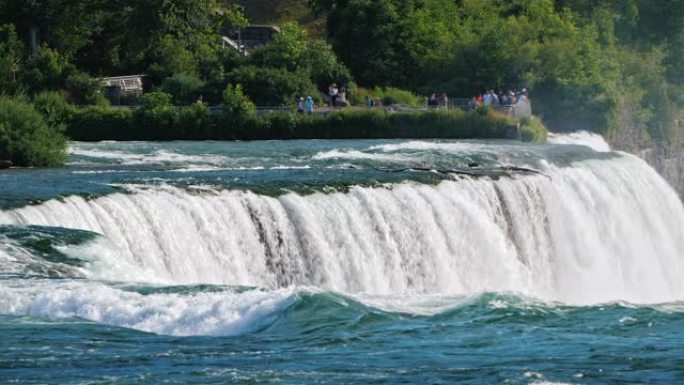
342 262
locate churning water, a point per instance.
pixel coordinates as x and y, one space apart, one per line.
342 262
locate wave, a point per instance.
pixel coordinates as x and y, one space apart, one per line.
226 311
223 313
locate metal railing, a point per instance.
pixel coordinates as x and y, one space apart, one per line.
517 110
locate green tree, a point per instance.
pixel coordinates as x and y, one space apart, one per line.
184 88
26 138
292 50
11 55
238 107
270 86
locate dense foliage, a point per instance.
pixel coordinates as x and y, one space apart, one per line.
602 64
26 137
614 66
176 44
196 122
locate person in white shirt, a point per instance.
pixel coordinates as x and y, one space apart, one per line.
333 92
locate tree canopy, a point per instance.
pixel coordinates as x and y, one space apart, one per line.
587 62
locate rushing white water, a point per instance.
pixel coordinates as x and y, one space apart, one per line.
203 313
581 138
598 231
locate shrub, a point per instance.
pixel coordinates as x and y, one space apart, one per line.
532 130
272 87
239 123
85 90
53 107
101 123
388 96
26 138
195 122
237 105
157 117
185 89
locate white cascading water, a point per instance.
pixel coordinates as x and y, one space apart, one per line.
598 231
582 138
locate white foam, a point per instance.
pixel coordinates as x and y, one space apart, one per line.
156 157
549 383
223 313
421 145
600 231
355 154
581 138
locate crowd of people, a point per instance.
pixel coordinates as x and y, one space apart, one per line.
337 97
500 99
488 98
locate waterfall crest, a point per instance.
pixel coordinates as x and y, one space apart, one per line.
600 230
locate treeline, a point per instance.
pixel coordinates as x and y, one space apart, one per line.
606 65
613 66
176 44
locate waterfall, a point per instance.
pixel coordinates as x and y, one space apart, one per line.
600 230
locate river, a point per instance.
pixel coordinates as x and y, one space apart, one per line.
342 262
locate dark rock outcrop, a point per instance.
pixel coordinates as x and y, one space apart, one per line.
668 160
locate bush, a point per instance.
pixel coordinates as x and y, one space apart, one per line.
237 105
388 96
101 123
272 87
532 130
239 123
26 138
157 117
184 88
195 122
53 107
85 90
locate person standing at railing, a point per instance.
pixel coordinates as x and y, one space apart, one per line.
444 101
301 107
333 92
432 101
472 104
487 98
495 99
342 98
309 105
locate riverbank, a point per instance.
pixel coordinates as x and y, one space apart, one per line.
192 123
